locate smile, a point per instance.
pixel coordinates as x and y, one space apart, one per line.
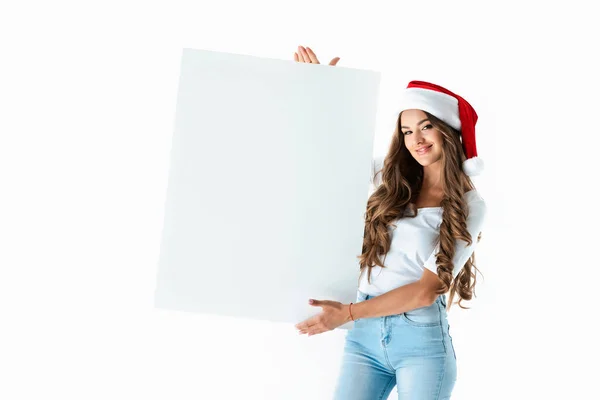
425 150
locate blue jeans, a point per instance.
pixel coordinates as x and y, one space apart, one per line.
412 350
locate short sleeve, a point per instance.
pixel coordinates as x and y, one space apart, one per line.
475 222
376 167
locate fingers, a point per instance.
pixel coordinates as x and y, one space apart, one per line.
312 55
308 324
299 55
315 329
312 327
305 55
312 331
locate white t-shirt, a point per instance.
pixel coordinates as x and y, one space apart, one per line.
413 245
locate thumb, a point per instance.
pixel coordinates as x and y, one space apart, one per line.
314 302
334 61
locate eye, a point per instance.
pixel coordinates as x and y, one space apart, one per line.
406 132
428 126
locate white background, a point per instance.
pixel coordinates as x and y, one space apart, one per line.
83 85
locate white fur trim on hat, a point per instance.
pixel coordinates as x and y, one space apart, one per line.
441 105
473 166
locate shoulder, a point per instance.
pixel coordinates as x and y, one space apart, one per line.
476 203
376 167
377 163
473 196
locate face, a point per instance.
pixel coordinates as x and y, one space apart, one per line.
422 140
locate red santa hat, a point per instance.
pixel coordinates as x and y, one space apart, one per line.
450 108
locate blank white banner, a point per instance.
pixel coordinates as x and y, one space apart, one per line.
268 184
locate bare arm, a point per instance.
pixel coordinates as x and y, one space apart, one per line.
402 299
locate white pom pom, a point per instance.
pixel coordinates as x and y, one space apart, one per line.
473 166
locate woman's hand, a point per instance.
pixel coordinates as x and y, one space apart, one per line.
334 314
308 56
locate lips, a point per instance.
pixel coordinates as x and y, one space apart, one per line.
424 150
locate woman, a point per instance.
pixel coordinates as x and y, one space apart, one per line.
425 218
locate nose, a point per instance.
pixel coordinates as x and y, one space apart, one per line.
418 138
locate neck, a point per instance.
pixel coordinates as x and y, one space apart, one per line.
432 177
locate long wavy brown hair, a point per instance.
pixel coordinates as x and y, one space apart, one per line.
402 178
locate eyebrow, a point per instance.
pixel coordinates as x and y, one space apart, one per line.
420 122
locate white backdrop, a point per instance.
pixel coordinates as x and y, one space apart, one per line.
87 102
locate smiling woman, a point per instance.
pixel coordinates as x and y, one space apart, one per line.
401 335
422 224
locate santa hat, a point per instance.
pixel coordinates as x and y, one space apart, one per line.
450 108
